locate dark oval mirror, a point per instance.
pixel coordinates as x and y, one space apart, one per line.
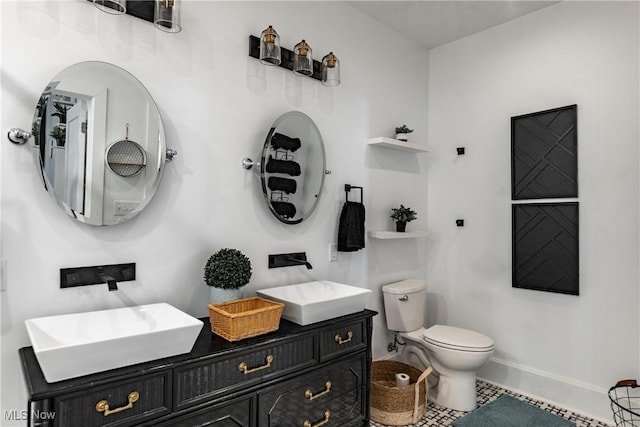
99 143
292 167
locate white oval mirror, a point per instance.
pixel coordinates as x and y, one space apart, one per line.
99 143
292 167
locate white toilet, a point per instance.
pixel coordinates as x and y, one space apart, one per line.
455 353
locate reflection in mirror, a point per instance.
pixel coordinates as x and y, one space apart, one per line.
99 143
292 167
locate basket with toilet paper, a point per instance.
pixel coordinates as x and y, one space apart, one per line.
398 392
625 403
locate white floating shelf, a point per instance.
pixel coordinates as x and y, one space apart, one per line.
397 144
386 235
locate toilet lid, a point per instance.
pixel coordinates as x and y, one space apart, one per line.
457 338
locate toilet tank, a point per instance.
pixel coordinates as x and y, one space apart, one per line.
404 304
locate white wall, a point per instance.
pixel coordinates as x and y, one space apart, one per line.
217 106
562 348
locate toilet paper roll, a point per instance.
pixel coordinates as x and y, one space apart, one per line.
402 380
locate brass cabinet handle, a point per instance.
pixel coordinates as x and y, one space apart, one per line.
103 405
309 394
245 369
339 339
322 422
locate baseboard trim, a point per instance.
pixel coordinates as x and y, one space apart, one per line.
563 392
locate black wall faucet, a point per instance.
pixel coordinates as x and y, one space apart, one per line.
99 274
109 280
300 262
287 260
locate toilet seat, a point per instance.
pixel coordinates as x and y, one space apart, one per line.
460 339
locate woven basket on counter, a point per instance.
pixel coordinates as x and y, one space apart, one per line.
396 406
245 318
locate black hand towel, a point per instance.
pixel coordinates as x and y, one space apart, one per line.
283 166
287 185
351 227
284 142
284 209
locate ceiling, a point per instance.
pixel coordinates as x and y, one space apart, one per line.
436 22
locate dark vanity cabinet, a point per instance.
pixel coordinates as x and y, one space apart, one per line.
315 375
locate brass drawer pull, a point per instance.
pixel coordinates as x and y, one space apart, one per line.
245 369
325 420
309 394
339 339
103 405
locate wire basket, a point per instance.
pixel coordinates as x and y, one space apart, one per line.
625 403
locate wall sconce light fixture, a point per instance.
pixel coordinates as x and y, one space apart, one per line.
114 7
300 60
166 15
270 47
330 70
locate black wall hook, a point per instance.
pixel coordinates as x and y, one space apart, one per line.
460 151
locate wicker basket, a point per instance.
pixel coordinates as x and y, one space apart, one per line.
395 406
244 318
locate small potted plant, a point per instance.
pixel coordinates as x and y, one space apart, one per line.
225 273
402 216
58 133
402 133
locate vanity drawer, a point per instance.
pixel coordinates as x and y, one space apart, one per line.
237 412
342 339
308 396
337 412
125 404
195 383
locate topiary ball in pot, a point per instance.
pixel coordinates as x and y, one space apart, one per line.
226 272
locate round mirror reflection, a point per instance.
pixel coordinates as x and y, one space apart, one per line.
292 167
99 143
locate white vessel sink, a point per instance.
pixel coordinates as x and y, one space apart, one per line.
312 302
72 345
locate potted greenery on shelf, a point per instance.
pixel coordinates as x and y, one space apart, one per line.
59 134
225 273
402 133
402 216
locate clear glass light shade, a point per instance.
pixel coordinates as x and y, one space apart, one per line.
270 47
302 59
115 7
330 70
167 15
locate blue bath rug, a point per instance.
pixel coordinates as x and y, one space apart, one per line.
507 411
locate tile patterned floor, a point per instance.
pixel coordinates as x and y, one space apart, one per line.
438 416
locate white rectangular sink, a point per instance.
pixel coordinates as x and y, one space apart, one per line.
312 302
72 345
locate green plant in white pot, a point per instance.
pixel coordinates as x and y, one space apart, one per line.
402 133
226 272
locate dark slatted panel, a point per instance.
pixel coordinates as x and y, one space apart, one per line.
217 377
545 247
236 413
544 154
330 348
286 404
79 409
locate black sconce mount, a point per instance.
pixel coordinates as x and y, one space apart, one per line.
286 58
142 9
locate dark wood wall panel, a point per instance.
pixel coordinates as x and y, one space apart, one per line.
544 154
545 247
